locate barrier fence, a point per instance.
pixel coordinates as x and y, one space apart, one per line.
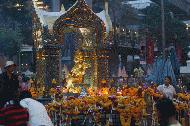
98 116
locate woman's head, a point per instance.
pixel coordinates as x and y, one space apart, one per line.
165 109
168 80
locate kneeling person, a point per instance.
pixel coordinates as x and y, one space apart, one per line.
37 112
12 114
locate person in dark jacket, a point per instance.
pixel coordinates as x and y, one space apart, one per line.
166 111
9 84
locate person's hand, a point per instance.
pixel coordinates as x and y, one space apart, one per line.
175 96
163 95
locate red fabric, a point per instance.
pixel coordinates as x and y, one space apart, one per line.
149 51
179 53
15 110
14 116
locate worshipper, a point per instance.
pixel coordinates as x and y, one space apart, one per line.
12 114
23 83
166 112
38 115
9 84
167 90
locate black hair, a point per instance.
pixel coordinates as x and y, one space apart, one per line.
25 79
25 94
169 77
166 109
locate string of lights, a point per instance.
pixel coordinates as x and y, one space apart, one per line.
91 56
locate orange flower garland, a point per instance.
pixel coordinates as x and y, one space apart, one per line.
131 102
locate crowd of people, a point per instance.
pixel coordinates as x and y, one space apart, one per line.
17 108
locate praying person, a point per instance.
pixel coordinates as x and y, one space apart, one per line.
38 115
167 89
9 84
13 115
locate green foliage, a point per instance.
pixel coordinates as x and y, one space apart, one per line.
128 16
175 29
15 25
10 39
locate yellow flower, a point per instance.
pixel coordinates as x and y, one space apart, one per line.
53 81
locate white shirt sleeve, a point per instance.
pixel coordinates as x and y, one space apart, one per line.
23 104
174 92
160 88
37 112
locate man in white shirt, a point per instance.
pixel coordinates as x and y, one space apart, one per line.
38 115
167 89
